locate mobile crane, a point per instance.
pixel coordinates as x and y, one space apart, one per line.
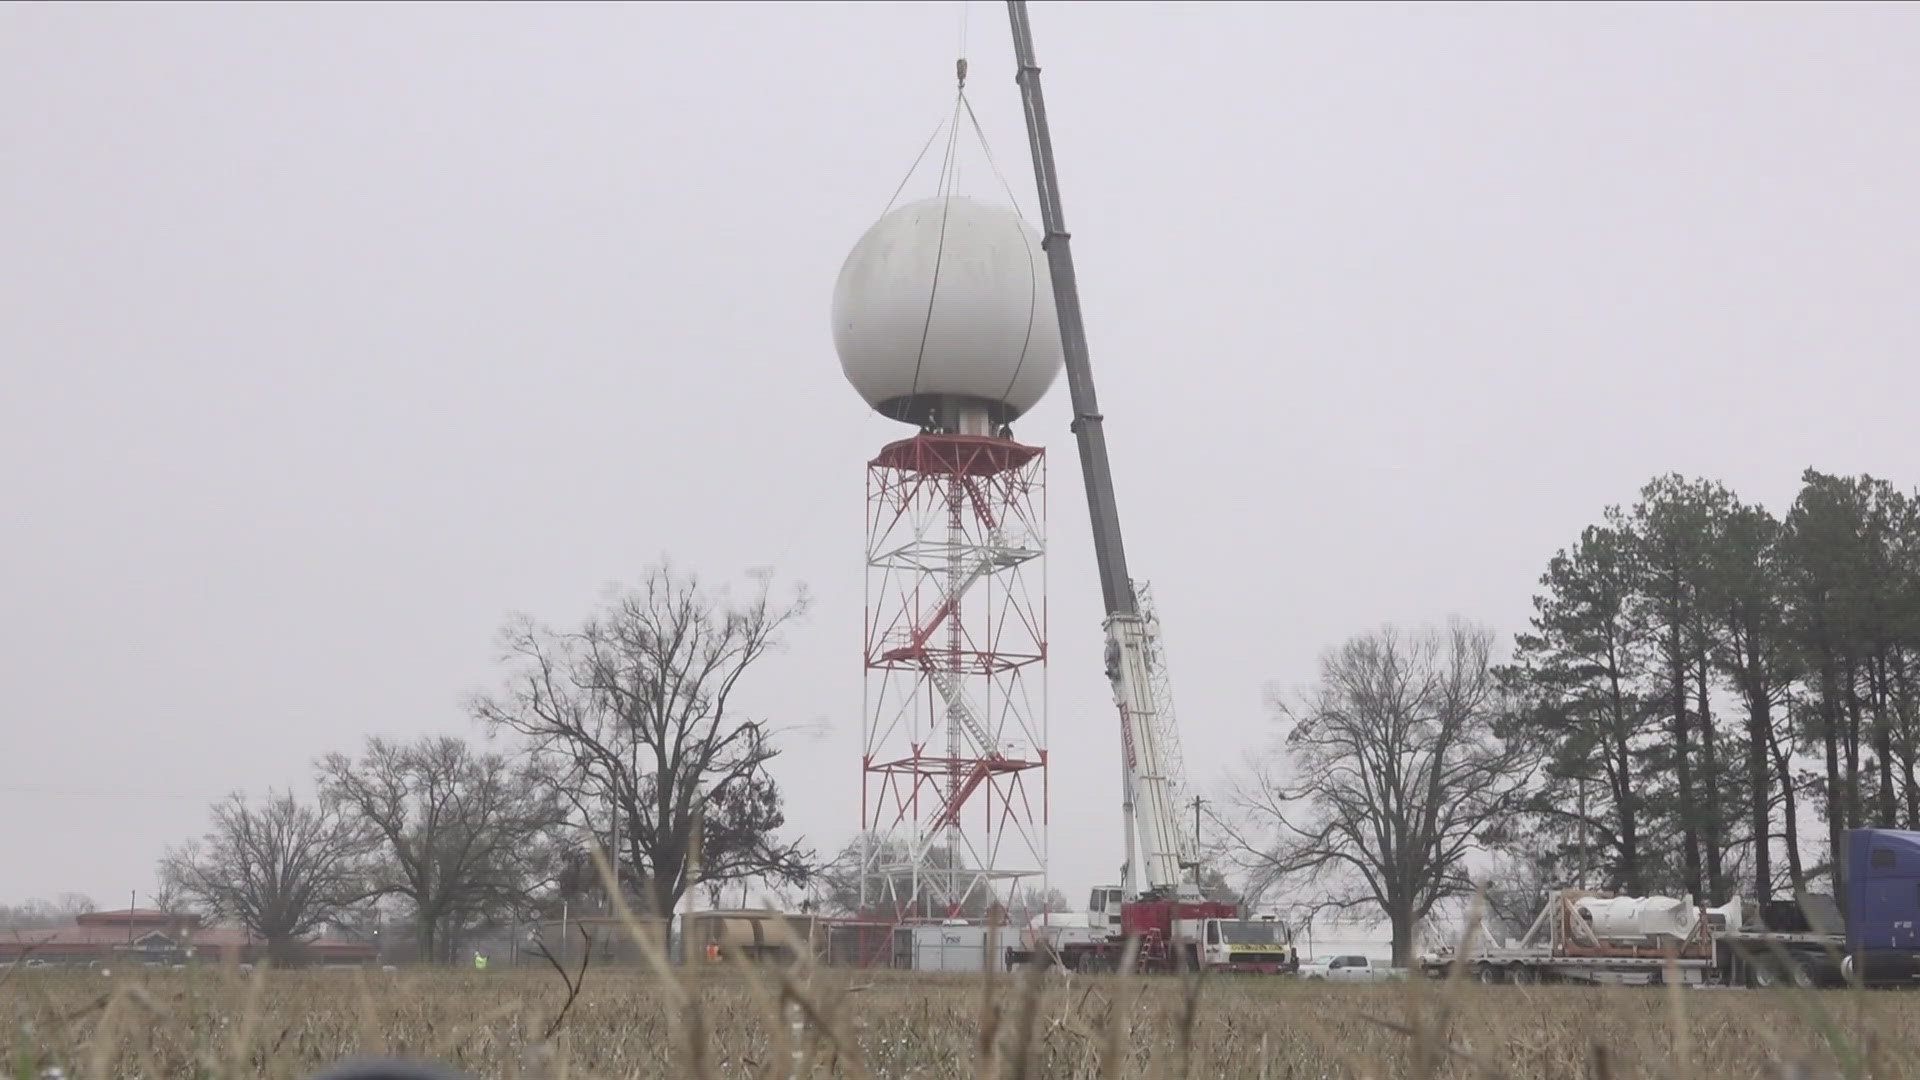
1174 924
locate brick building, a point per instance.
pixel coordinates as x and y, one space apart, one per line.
142 936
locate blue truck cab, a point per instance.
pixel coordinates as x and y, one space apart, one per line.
1883 905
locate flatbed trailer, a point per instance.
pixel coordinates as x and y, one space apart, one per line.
1752 958
1870 937
1764 958
1561 947
1799 942
1527 969
1787 943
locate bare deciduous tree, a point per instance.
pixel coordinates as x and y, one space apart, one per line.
1393 770
39 912
459 835
1048 902
167 894
636 711
282 869
1215 886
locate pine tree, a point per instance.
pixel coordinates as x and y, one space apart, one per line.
1743 592
1576 671
1673 533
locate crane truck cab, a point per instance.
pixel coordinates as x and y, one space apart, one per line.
1178 933
1263 944
1103 908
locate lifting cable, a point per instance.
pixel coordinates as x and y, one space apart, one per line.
947 182
915 167
1033 277
947 175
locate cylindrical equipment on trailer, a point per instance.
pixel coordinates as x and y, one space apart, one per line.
1634 918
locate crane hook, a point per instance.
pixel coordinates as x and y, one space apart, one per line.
960 71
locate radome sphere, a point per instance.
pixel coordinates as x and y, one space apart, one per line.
980 332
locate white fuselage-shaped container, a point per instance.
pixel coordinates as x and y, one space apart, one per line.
944 301
1636 917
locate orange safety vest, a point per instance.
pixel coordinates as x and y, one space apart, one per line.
713 950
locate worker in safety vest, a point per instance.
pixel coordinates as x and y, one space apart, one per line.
713 951
479 961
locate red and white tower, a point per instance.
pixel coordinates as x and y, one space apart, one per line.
944 319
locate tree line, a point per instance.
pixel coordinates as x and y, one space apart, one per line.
621 743
1706 696
1702 674
41 913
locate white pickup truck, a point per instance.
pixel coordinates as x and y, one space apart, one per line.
1350 969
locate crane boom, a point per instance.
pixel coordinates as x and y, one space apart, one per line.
1130 653
1108 549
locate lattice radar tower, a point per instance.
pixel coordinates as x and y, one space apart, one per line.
944 319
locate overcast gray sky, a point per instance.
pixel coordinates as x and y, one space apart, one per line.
330 335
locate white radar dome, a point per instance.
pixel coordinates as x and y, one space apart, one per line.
946 304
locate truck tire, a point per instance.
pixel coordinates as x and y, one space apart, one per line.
1522 975
1488 975
1798 974
1768 972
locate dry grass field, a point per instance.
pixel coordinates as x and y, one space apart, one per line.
739 1023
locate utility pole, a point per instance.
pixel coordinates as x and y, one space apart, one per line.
1198 802
691 876
613 851
1581 812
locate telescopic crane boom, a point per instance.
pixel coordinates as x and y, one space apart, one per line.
1130 654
